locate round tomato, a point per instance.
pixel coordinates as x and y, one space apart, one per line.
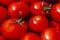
3 14
49 34
39 8
7 2
56 26
38 23
55 12
18 9
30 36
13 28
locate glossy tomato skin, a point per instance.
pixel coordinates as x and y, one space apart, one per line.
30 1
55 12
38 23
12 30
7 2
49 34
18 9
37 8
30 36
1 38
3 14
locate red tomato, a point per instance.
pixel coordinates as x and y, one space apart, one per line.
55 12
30 36
1 38
38 23
39 8
7 2
3 14
49 34
13 28
29 1
56 26
18 9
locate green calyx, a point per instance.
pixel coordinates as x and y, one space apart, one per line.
19 20
46 8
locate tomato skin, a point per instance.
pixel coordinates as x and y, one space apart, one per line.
37 8
12 30
1 38
38 23
3 14
49 34
29 1
58 28
7 2
56 13
18 9
30 36
53 24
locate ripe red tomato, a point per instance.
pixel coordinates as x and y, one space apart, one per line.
30 36
56 26
55 12
39 8
13 28
38 23
1 38
49 34
7 2
18 9
29 1
3 14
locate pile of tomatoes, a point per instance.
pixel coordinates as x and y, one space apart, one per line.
29 19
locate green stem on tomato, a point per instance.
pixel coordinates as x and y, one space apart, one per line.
46 8
19 20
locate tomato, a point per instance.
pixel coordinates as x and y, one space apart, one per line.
3 14
55 12
38 23
29 1
30 36
56 26
18 9
1 38
13 28
39 8
7 2
49 34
